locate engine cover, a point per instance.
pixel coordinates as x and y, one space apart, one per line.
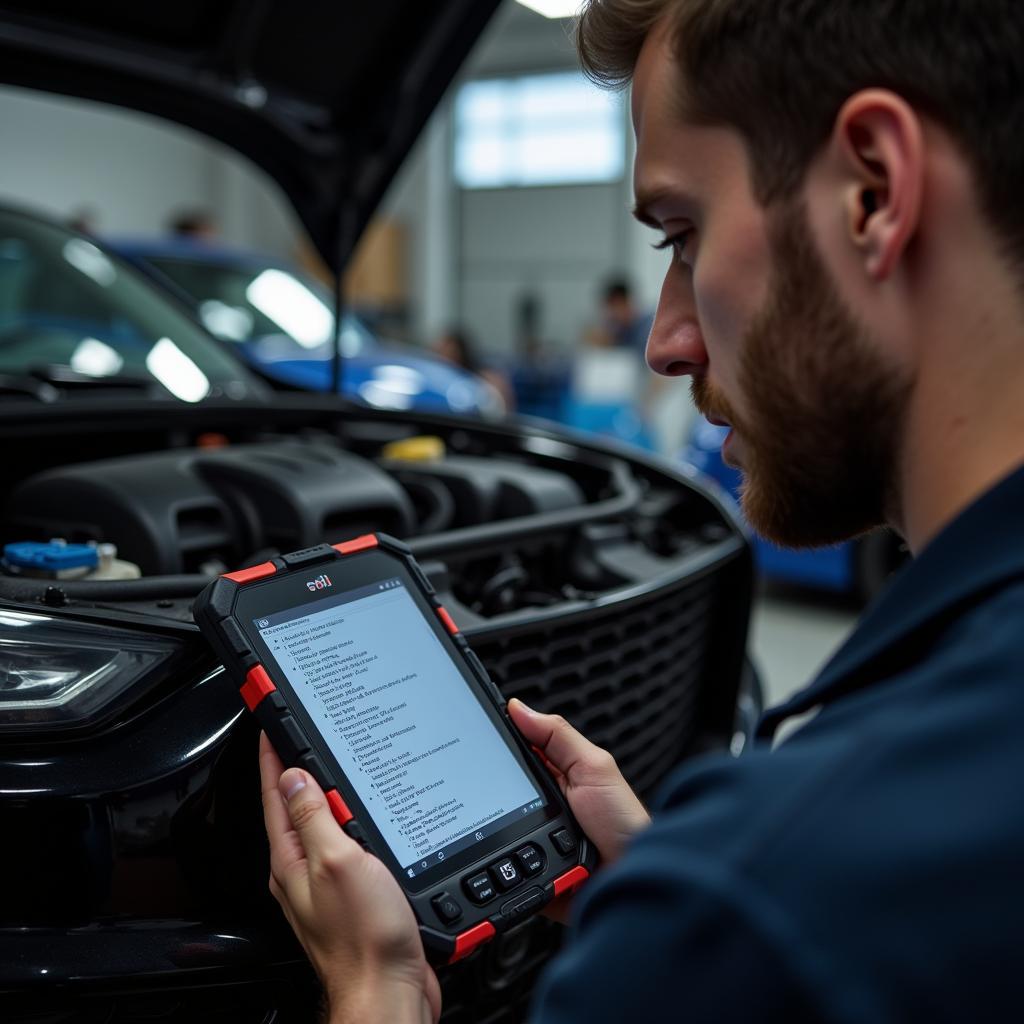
171 512
485 490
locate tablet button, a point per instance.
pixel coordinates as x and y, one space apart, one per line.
531 860
256 687
342 815
573 878
319 553
477 665
523 904
355 831
469 940
506 874
446 907
316 768
564 840
421 577
480 888
235 639
449 622
293 735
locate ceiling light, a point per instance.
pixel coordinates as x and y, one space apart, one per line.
95 359
554 8
84 256
177 372
292 306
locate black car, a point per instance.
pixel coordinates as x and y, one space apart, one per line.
590 579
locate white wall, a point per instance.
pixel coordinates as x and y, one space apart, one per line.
422 200
555 243
132 171
559 243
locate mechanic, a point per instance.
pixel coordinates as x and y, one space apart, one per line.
839 182
622 324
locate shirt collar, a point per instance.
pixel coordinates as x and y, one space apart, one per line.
981 549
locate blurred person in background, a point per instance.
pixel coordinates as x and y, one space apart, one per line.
194 223
622 324
614 392
84 219
457 347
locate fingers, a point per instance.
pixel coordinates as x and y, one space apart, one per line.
607 810
345 907
300 826
433 994
285 849
569 751
324 843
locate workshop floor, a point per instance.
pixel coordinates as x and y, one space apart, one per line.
793 634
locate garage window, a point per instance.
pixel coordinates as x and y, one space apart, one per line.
551 129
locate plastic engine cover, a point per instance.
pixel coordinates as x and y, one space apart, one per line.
489 489
173 511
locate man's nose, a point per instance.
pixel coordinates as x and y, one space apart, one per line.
675 346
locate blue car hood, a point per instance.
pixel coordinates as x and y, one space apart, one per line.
388 377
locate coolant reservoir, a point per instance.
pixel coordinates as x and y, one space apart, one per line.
59 560
425 448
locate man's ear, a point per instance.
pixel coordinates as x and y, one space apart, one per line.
878 146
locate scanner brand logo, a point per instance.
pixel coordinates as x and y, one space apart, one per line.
320 583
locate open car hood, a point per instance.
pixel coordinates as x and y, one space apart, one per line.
326 96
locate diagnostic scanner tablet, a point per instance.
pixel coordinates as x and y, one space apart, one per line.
360 677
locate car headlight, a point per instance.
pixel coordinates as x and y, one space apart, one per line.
57 673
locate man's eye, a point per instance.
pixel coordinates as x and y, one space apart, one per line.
677 242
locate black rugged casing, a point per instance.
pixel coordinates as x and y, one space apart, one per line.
267 693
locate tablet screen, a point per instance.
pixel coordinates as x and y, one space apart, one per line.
411 736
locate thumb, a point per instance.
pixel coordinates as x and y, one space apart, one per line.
309 812
569 751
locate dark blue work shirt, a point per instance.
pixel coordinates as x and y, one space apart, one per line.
870 868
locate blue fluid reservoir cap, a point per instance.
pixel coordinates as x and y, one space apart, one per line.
51 557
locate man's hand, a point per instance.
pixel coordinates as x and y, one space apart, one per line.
604 805
344 906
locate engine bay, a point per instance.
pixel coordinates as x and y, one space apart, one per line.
506 520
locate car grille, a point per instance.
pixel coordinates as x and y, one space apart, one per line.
634 678
629 678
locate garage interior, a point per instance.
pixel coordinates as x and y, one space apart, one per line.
506 223
437 254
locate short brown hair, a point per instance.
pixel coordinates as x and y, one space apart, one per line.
778 71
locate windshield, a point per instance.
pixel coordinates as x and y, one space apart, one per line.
251 302
70 315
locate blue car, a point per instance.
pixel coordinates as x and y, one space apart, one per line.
858 567
282 323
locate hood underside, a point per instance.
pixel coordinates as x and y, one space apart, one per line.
326 97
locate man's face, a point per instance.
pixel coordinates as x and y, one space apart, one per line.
749 308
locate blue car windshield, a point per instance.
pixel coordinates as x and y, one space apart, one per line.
69 313
289 316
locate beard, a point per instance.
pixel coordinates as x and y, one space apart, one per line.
825 410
